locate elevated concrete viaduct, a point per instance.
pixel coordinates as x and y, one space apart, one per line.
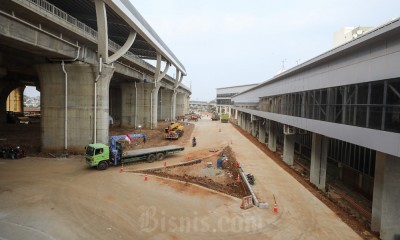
87 68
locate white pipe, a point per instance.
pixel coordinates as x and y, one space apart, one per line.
95 110
135 105
95 101
66 108
151 109
160 104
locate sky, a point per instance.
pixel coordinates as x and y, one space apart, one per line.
226 43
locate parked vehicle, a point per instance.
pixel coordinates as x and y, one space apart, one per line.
215 116
12 152
102 156
224 118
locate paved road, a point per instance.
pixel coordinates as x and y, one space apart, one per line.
63 199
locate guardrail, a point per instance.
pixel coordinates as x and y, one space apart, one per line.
74 22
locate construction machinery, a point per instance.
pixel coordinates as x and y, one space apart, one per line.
173 131
224 118
215 116
102 156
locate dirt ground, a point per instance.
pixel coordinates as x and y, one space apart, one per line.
199 172
61 198
28 137
356 222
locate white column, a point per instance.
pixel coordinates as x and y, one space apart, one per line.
385 203
319 156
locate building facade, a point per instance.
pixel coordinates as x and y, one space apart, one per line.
340 111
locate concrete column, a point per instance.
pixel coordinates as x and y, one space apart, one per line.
272 135
165 111
80 105
288 148
186 104
244 123
319 156
15 100
116 104
239 118
236 114
129 105
173 105
248 124
261 131
385 203
254 128
154 106
144 104
180 104
6 87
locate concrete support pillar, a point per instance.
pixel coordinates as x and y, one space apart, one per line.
288 148
254 128
248 124
239 118
144 104
236 114
75 127
6 87
186 104
261 130
244 123
165 106
15 100
180 104
154 106
173 105
385 203
129 104
272 136
319 156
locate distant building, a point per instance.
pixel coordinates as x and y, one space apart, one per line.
199 105
224 96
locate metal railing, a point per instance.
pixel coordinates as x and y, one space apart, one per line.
60 14
90 32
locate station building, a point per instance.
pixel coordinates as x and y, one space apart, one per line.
338 114
224 96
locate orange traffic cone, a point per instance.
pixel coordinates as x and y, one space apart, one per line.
214 151
145 177
165 164
238 179
121 170
188 157
275 209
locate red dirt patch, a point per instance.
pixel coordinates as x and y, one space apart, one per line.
222 180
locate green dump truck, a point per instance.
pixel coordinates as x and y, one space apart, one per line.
224 118
100 156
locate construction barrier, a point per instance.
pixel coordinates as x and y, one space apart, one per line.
247 202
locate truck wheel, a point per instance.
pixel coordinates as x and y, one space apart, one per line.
103 165
151 158
160 156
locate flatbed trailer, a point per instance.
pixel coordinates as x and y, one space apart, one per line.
151 154
99 155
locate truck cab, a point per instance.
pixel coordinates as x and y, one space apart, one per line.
98 155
